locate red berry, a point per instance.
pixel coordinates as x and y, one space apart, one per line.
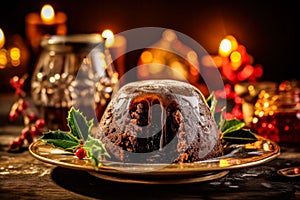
26 133
25 104
80 153
21 83
31 117
14 81
34 131
39 124
13 115
19 92
13 145
29 139
20 140
20 109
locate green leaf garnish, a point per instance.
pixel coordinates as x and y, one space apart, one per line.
212 102
232 130
232 125
78 124
240 136
61 139
95 149
78 136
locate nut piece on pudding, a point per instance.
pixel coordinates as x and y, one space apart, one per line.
159 121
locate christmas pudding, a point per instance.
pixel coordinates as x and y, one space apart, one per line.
159 121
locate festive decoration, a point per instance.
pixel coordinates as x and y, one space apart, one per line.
47 22
277 114
13 51
169 58
33 126
236 66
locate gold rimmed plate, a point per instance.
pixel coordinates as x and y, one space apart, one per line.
236 156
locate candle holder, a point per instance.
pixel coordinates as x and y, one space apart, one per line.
36 27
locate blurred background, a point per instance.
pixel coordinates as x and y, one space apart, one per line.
263 37
268 29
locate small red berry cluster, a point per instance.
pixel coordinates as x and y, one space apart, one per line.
33 126
80 153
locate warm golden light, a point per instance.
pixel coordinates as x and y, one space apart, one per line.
218 61
156 67
225 48
169 35
179 68
3 58
233 41
246 73
47 13
235 56
15 53
109 36
146 57
223 163
192 56
2 38
236 59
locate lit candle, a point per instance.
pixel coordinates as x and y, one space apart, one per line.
2 38
117 46
3 51
108 35
47 14
47 22
227 45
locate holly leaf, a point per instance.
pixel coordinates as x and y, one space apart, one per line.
212 102
232 125
79 134
78 124
240 136
218 116
95 149
61 139
232 130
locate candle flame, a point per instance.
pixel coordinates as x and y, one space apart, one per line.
2 38
47 13
109 36
227 45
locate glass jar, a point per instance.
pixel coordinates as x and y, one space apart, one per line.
73 70
277 114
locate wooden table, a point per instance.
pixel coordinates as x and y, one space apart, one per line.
24 177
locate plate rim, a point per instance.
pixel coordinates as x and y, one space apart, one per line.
165 171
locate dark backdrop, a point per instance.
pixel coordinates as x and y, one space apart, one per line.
268 29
